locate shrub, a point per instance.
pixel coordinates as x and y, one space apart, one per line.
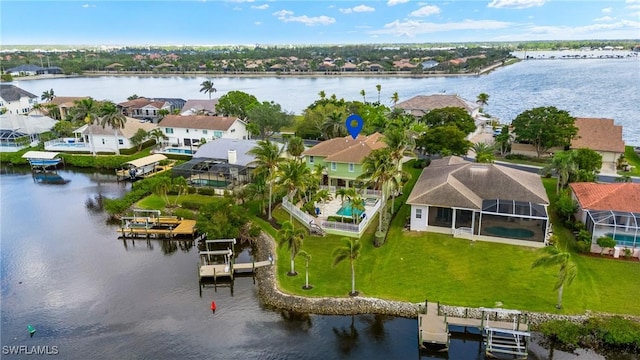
421 163
565 332
310 208
605 242
615 332
185 214
346 220
584 235
191 205
517 157
583 247
206 191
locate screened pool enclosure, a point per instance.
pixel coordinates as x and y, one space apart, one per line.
623 227
211 173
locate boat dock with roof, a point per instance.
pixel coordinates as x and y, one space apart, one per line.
142 168
504 331
42 160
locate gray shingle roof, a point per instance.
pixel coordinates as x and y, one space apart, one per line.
13 93
219 149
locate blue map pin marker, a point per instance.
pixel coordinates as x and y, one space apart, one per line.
354 125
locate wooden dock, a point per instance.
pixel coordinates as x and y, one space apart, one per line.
167 228
503 337
215 271
218 264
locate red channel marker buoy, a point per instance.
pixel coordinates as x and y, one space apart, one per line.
213 306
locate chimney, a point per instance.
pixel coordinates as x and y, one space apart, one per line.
232 156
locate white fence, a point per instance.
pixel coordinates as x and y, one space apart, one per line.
305 218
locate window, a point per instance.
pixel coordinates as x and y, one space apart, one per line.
233 130
168 130
120 141
102 141
418 213
217 134
310 159
351 168
187 131
204 132
334 166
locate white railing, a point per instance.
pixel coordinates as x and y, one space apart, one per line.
305 218
368 192
66 144
463 231
340 226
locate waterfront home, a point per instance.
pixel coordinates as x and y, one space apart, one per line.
192 130
480 202
99 139
16 100
64 103
20 131
149 109
610 210
200 107
30 70
342 158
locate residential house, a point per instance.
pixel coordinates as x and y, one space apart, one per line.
20 131
16 100
104 139
144 109
480 201
342 157
200 107
30 70
191 130
64 103
601 136
611 209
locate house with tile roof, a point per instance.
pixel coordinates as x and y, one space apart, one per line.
99 139
487 202
342 157
190 130
611 209
16 100
64 103
144 109
602 136
200 107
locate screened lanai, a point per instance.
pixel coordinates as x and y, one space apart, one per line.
211 173
14 138
513 219
623 227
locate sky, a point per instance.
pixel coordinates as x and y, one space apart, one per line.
305 22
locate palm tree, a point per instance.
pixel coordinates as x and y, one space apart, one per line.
157 135
334 126
350 250
395 98
295 147
258 190
87 110
485 152
323 196
483 99
293 175
377 170
267 158
322 94
362 93
162 113
379 88
112 117
357 208
207 87
53 111
181 186
563 164
292 238
305 255
567 271
47 95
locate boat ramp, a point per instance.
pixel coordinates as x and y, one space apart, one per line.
151 224
505 332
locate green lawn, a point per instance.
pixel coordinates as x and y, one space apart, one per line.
415 266
633 159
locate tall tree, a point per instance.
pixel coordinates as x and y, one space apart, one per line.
482 99
236 103
295 147
350 250
334 125
268 118
444 140
563 164
292 239
395 98
544 128
157 135
305 255
485 152
379 88
87 110
267 158
207 87
139 138
47 95
111 116
363 93
292 175
567 272
377 169
589 163
456 116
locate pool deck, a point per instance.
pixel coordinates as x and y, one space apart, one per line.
332 207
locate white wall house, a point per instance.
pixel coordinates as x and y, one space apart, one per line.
16 100
190 130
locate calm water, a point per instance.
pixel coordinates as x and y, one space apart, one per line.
606 88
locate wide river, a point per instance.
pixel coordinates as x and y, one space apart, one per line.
599 88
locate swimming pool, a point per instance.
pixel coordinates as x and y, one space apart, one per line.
624 239
178 151
346 210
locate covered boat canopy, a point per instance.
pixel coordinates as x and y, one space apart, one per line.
147 160
42 155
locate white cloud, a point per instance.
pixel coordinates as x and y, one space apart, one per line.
604 18
359 8
411 28
258 23
88 6
396 2
632 1
240 1
287 16
607 10
426 11
622 29
260 7
515 4
632 7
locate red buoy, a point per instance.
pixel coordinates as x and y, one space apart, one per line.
213 306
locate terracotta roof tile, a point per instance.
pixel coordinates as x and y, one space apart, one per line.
198 122
614 196
346 149
599 135
422 104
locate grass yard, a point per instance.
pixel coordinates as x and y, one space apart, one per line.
414 266
634 160
155 202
